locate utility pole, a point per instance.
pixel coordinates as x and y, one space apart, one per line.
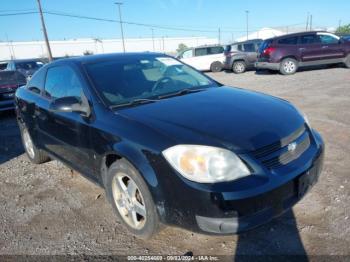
310 22
219 31
307 21
339 23
247 21
49 54
121 23
153 38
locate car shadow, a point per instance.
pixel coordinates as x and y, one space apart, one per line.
303 69
10 138
278 240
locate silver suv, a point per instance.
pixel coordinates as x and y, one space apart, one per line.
241 56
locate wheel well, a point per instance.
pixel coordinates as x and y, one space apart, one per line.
290 56
110 159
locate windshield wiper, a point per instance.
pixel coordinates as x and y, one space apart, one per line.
181 92
137 101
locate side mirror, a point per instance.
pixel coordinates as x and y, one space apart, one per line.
70 104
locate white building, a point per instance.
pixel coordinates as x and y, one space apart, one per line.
77 47
263 33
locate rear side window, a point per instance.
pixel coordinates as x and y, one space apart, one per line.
309 39
62 81
28 65
288 41
249 47
36 83
201 51
215 50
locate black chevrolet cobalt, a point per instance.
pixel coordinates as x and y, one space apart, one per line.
169 144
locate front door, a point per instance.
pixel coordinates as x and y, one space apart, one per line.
64 134
310 48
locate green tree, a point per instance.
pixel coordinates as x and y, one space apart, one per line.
345 29
182 47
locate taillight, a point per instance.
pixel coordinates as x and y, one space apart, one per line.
269 50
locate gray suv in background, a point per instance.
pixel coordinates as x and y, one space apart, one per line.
241 56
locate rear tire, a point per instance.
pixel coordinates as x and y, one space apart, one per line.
239 67
35 155
216 67
288 66
120 178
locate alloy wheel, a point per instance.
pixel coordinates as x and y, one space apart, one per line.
129 201
289 66
239 67
28 143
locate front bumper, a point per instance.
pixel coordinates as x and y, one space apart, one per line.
7 105
232 207
268 205
267 65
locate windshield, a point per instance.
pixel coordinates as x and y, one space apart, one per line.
265 44
125 80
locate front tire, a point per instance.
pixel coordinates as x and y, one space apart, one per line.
131 199
216 67
347 62
288 66
35 155
239 67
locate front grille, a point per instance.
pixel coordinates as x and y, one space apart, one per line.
284 151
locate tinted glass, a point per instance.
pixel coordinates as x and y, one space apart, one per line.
265 44
124 80
309 39
215 50
3 66
328 39
28 65
249 47
288 41
37 81
12 77
62 81
200 51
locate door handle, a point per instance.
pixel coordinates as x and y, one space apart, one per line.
302 48
325 46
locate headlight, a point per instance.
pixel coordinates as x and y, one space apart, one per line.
306 119
205 164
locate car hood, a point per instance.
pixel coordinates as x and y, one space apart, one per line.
236 118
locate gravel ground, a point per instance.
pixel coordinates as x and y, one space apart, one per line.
47 209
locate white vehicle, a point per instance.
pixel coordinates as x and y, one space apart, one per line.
204 58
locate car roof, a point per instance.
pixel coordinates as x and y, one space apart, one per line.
296 34
105 57
247 41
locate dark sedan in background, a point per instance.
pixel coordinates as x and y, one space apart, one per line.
169 144
27 67
9 82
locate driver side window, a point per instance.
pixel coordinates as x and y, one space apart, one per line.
62 81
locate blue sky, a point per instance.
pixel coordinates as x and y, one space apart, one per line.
207 15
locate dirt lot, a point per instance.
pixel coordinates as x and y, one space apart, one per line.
46 209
